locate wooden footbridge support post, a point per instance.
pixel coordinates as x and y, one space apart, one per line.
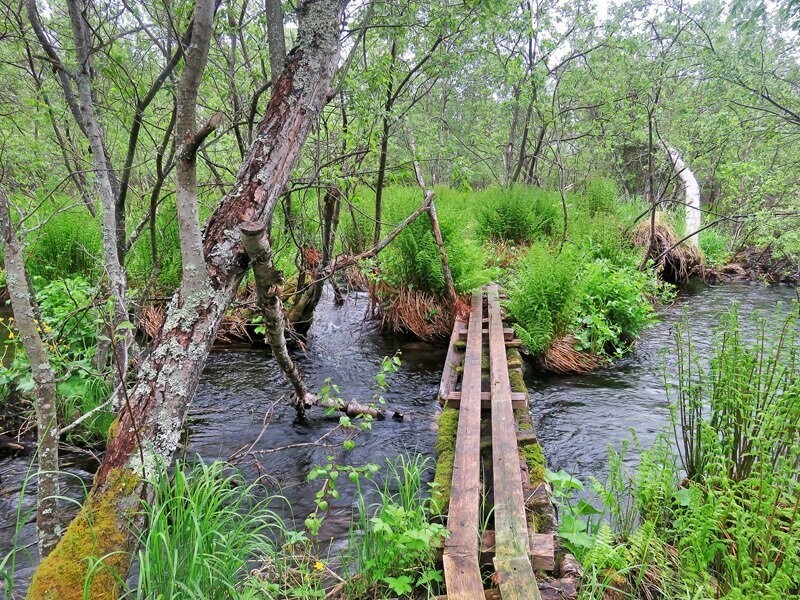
496 535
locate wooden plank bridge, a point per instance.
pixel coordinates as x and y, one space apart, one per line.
493 541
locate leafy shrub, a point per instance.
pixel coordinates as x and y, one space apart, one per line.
413 259
613 307
69 324
517 215
393 544
139 260
542 298
600 196
715 246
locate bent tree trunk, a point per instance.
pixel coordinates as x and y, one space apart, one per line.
23 303
692 196
148 426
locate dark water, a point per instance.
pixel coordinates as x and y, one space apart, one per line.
577 417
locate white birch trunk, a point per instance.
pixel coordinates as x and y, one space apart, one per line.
691 195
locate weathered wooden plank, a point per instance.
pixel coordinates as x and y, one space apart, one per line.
518 400
461 568
452 361
512 564
524 438
508 334
541 549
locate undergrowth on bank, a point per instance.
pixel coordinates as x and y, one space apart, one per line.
712 513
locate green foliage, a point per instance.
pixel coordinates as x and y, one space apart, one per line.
393 544
600 196
520 214
70 321
139 260
413 259
729 530
715 246
67 244
542 299
204 525
613 307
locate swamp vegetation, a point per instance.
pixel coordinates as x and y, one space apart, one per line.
374 163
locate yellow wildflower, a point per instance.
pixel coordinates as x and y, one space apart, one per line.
11 335
318 566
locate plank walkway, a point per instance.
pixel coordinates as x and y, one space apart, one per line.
488 488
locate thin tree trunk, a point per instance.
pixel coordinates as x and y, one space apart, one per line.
276 38
23 303
384 151
148 427
102 172
188 140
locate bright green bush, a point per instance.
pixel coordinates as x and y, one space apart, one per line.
393 544
413 258
600 196
715 246
68 243
613 307
518 214
139 260
542 299
70 325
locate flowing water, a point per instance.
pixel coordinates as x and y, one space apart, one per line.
577 417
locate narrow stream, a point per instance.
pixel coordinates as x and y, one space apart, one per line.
577 417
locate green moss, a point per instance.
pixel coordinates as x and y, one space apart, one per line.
460 345
514 359
523 418
517 382
92 542
534 457
446 451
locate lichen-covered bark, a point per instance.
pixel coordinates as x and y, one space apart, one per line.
152 413
23 303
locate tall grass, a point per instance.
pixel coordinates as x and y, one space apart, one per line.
717 507
67 244
204 525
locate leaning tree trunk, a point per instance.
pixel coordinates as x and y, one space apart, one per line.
691 191
148 426
23 303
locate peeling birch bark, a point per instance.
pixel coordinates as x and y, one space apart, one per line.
148 426
23 304
692 195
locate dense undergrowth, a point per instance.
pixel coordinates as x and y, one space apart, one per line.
713 512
